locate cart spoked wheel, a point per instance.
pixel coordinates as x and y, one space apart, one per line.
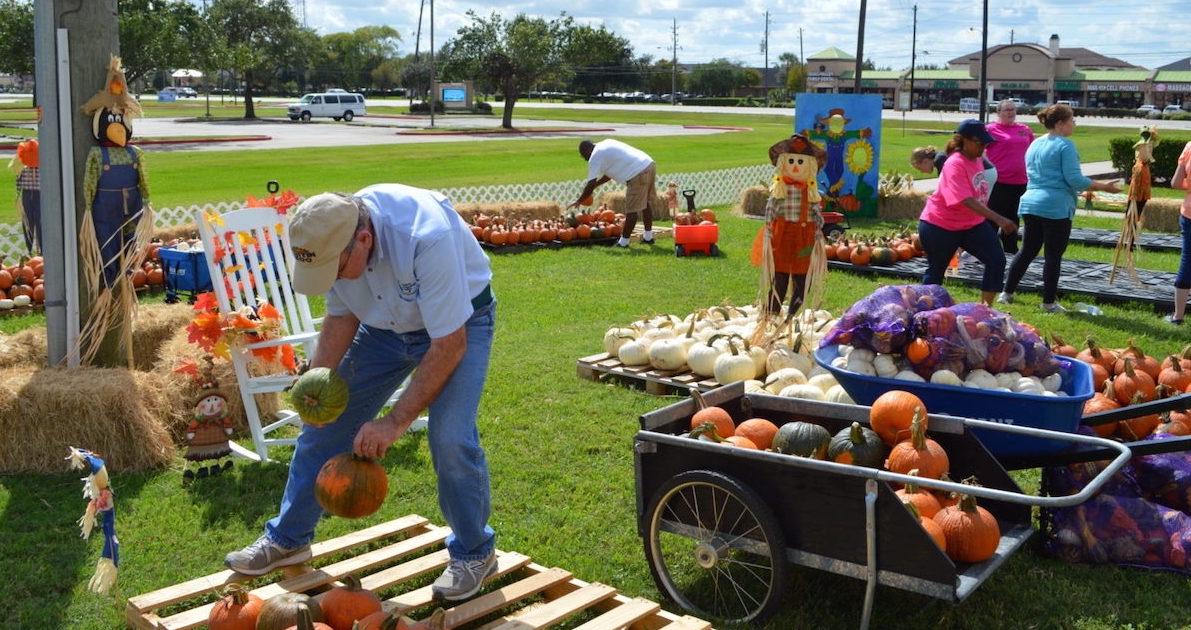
715 548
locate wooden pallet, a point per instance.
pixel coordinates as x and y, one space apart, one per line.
603 366
413 549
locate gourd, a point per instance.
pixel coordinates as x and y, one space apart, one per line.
759 431
980 379
734 366
237 610
823 381
282 611
351 486
775 382
343 605
893 413
617 337
837 394
803 391
918 453
946 377
858 446
803 439
634 352
719 419
972 532
319 396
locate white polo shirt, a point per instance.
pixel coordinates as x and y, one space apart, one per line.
424 269
617 160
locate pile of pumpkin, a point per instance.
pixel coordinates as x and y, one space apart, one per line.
897 441
1128 376
883 251
496 230
347 607
703 217
21 284
151 273
720 343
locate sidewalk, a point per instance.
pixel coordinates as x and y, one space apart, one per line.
1091 169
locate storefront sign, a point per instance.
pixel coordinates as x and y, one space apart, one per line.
1113 87
946 84
1068 86
868 83
1016 86
1172 87
820 76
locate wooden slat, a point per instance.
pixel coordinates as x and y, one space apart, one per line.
406 571
197 616
687 622
658 620
490 602
556 610
198 586
138 620
623 615
505 563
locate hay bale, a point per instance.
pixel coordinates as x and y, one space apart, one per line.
615 202
902 205
184 231
176 350
26 348
155 324
752 201
118 413
524 211
1161 215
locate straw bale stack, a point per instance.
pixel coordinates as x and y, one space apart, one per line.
752 201
525 211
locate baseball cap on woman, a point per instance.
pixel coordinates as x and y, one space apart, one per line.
972 128
319 230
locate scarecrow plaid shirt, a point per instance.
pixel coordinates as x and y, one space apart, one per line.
29 179
790 208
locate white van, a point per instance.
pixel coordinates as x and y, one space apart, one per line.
336 105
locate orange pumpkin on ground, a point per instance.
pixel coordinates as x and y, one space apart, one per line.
39 293
1133 381
1100 402
1095 354
892 414
1138 428
1141 361
351 486
238 610
1099 376
759 431
1174 423
343 605
1061 347
861 256
5 280
971 532
1174 376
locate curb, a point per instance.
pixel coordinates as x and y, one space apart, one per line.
513 132
212 140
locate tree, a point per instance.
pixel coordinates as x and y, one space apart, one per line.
261 35
596 58
387 75
868 64
717 78
793 70
355 55
415 75
750 77
506 55
660 77
16 37
158 35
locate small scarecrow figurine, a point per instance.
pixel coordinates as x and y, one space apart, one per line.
672 198
98 492
209 429
789 247
1143 157
118 222
28 161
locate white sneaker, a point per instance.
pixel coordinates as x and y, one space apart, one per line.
1054 307
463 578
1005 298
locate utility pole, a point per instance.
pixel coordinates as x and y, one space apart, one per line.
801 54
983 66
913 55
765 75
674 62
417 45
1010 36
860 46
432 88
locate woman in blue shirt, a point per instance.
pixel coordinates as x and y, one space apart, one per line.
1052 166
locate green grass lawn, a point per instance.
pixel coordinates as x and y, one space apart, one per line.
562 466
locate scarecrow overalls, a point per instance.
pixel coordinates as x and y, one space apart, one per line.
116 210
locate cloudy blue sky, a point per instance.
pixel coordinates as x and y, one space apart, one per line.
1149 34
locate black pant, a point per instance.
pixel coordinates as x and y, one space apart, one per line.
1004 200
980 241
1039 233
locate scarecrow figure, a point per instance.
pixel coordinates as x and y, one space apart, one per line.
672 198
790 247
830 130
28 161
1143 157
210 429
118 222
100 509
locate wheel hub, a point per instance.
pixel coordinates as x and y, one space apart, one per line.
707 554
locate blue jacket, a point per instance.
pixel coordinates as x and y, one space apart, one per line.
1052 165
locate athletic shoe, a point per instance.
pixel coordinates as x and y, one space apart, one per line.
264 556
1054 308
1005 298
463 578
1171 320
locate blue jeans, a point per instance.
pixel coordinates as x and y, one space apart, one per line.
374 366
980 241
1183 279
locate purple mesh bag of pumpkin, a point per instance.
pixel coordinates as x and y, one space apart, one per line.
972 336
881 321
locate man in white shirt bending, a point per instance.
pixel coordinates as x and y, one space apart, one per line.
613 159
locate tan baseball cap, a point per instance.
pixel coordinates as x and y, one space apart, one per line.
319 230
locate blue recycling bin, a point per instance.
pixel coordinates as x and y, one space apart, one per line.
185 272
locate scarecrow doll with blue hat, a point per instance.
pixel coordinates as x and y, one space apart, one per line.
101 510
118 221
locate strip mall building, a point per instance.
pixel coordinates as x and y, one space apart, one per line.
1031 72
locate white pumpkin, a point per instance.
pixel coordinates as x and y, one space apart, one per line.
946 377
783 378
804 391
861 367
758 355
6 304
909 375
734 366
617 337
1028 385
1053 382
1008 379
840 363
980 379
823 381
701 357
862 354
668 354
22 300
634 353
656 334
837 394
753 386
817 370
885 365
786 357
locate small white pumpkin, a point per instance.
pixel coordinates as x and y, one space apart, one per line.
22 300
837 394
946 377
6 304
668 354
634 353
885 365
1053 382
1028 385
779 380
862 354
909 375
753 386
617 337
861 367
1008 379
823 381
701 357
786 357
803 390
817 370
840 363
734 366
980 379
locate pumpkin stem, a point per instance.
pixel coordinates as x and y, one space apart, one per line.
698 398
705 429
1175 364
238 594
855 435
1058 340
1109 391
690 331
913 509
917 432
352 583
1129 368
967 503
305 620
912 488
1093 348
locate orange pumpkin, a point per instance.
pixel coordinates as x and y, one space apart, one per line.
759 431
497 237
861 256
719 419
917 351
972 532
1174 376
238 610
905 251
706 214
1174 423
1061 347
477 232
844 252
156 276
829 249
343 605
607 216
583 232
1133 381
925 502
26 275
1138 428
1093 353
351 486
1100 402
5 280
1099 376
21 289
929 525
566 234
918 453
139 278
893 413
1141 361
742 442
1183 358
38 293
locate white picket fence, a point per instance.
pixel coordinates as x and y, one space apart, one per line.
713 188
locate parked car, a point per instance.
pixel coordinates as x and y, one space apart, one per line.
1146 110
1172 109
338 106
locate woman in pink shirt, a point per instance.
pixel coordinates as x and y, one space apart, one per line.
1182 281
956 215
1008 154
